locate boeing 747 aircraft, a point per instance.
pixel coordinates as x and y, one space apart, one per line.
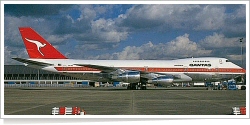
135 72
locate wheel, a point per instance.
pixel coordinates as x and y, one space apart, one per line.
129 87
143 87
133 87
243 88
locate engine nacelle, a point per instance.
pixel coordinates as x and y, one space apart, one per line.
162 80
127 76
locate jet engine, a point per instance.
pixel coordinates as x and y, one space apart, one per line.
161 80
127 76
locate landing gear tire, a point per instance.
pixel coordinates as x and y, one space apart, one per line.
243 88
143 86
129 87
133 86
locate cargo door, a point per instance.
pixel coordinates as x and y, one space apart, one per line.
64 68
146 68
185 69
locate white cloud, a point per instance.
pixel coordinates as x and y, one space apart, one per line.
210 18
235 57
130 52
235 24
70 18
197 17
240 12
219 41
216 45
58 38
184 47
87 13
12 34
181 47
107 31
10 52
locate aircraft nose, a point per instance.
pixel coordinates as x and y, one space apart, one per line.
243 70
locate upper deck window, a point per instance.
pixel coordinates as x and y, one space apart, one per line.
178 65
201 61
227 61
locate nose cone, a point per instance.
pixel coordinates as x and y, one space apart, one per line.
243 71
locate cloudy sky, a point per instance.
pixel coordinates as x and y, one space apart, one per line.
130 31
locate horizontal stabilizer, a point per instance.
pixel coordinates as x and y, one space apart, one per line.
32 62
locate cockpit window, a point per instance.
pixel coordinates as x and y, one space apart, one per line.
227 61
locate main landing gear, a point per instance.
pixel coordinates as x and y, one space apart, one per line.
137 86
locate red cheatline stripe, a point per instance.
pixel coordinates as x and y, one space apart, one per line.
223 70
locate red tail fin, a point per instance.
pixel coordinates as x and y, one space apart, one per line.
37 46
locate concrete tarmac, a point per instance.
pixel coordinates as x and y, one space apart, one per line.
119 101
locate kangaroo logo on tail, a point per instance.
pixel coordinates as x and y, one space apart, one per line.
38 44
37 47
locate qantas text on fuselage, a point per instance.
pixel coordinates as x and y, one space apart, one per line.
205 65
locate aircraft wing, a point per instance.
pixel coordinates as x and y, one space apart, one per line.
144 74
102 68
32 62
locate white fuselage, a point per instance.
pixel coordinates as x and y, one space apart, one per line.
189 66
